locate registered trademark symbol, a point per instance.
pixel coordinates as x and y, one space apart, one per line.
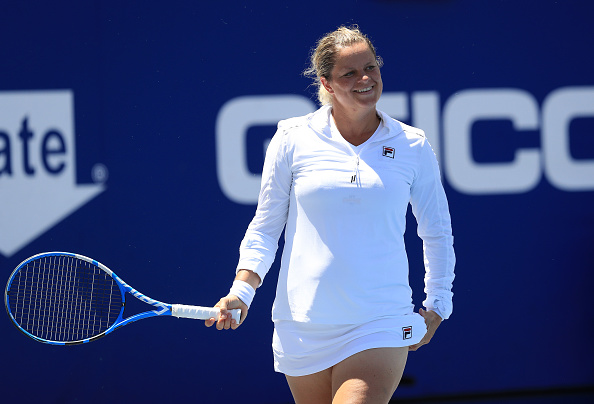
99 173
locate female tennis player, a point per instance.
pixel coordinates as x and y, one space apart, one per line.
339 181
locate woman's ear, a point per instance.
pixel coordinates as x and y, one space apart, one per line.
326 85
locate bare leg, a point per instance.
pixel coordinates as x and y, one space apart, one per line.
312 389
369 377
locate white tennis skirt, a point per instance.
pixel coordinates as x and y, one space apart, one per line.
303 348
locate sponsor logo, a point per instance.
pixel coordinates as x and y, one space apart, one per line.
388 152
450 128
38 187
407 332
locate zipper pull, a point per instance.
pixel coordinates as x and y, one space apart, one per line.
354 176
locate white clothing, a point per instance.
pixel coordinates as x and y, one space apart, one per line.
304 348
344 209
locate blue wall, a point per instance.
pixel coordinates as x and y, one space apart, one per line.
504 89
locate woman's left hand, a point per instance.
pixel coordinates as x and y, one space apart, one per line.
432 321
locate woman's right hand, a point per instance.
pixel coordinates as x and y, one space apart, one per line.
225 321
230 302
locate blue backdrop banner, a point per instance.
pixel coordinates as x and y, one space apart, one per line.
134 132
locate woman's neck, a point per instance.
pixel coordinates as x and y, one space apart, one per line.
356 128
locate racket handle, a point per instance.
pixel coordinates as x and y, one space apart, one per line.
201 313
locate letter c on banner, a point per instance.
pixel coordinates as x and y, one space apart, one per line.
462 171
559 109
233 121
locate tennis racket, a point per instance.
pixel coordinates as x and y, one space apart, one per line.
63 299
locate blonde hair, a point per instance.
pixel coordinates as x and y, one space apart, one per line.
323 57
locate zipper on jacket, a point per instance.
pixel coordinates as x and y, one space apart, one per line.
354 176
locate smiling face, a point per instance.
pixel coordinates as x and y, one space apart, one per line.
355 82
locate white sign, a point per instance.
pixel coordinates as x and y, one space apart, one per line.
38 185
453 149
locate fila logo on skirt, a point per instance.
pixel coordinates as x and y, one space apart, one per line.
407 332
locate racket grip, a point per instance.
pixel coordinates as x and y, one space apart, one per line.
201 313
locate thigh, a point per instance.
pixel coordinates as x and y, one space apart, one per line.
312 389
369 376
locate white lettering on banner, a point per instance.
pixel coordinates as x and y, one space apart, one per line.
454 149
559 109
37 165
233 121
465 108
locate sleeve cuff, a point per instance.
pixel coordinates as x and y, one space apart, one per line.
439 307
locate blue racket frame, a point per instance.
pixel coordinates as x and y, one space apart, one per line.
162 309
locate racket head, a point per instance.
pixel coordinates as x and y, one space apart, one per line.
63 298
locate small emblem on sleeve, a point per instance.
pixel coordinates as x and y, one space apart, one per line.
388 152
407 332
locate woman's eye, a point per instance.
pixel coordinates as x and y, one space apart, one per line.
370 67
349 74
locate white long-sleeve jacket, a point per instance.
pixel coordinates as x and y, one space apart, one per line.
343 209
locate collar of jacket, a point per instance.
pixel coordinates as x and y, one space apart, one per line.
318 121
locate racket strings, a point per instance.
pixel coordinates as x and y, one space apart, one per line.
63 298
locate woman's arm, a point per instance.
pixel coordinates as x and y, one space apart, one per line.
233 302
258 247
430 207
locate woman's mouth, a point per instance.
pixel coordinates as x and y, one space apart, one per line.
364 90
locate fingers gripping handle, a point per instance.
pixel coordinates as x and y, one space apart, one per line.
201 313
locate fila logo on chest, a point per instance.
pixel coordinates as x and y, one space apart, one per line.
388 152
